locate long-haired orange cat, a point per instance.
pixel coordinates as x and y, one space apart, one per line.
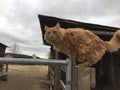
78 43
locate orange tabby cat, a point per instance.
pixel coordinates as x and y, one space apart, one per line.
78 43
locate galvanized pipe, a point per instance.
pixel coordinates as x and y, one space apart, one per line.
25 61
68 75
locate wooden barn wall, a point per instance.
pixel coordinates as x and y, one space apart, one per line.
108 72
2 51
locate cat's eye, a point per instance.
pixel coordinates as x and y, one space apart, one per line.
48 33
54 31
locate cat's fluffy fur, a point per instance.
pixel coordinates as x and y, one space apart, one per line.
78 43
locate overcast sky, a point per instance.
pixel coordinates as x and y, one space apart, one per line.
19 19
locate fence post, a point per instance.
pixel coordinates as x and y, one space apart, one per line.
68 75
56 77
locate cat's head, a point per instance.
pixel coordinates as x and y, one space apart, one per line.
53 34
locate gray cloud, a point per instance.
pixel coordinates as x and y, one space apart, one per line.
84 10
20 24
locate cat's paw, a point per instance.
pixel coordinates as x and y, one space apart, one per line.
85 64
81 65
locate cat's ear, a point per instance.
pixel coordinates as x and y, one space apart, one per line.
57 26
46 28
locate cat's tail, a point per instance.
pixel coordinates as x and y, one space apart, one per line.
114 44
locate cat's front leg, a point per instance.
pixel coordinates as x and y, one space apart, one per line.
73 58
73 61
85 64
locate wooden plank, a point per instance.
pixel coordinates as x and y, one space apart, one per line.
57 78
57 74
62 85
63 68
92 78
83 78
52 79
74 78
52 72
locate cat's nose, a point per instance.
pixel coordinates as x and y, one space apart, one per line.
51 35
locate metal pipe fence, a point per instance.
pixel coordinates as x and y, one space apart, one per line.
25 61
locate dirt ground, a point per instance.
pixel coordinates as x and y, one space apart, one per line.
21 77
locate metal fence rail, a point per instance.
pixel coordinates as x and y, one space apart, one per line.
24 61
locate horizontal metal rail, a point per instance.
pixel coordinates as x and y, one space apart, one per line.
25 61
